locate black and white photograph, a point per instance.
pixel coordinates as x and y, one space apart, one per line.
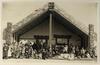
49 30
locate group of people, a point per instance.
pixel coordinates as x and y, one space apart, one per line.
41 50
74 52
36 50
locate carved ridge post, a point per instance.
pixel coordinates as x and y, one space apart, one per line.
51 7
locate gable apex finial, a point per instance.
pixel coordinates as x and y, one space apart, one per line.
51 5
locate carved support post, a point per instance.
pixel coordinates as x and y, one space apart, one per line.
91 36
9 33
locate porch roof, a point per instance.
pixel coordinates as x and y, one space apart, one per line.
36 18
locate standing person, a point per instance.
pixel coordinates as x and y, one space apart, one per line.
73 49
20 51
83 52
77 52
9 52
26 51
34 54
5 51
13 50
30 50
39 49
70 48
44 54
93 53
72 54
65 49
23 51
34 47
17 51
